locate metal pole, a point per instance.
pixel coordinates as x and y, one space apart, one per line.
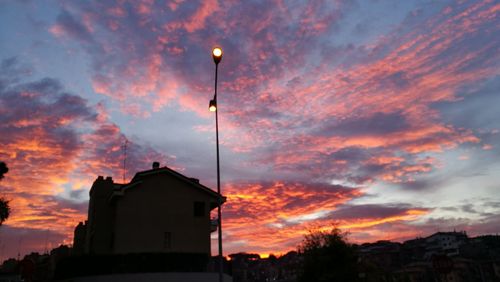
219 213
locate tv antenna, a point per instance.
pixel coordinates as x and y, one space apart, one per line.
19 248
125 159
46 251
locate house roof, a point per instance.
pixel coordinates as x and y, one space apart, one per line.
454 233
139 176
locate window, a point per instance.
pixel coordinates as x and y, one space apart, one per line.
199 209
167 240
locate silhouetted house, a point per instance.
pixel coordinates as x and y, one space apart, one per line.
450 256
384 254
56 255
252 268
413 250
445 243
159 211
244 266
79 239
415 272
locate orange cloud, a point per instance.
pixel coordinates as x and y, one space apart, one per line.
274 217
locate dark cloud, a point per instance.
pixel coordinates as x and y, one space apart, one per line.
375 124
66 24
469 208
78 194
351 154
476 106
11 71
399 80
418 185
492 203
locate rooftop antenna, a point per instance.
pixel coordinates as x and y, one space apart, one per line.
125 159
19 248
46 251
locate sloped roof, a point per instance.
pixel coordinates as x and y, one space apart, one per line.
139 176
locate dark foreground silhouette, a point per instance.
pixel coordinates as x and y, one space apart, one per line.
4 204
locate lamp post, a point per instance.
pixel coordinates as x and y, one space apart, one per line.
217 56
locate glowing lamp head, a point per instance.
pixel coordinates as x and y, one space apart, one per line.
217 54
212 106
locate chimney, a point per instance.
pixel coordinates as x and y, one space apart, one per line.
156 165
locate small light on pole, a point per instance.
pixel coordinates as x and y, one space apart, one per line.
212 106
217 54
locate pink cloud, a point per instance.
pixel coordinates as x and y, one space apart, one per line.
197 21
57 30
117 11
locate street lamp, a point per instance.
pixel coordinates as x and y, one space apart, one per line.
212 106
217 56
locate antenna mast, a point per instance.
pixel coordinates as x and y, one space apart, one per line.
19 248
46 251
125 159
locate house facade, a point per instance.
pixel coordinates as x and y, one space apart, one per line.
445 242
158 211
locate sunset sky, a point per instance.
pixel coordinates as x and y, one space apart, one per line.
382 117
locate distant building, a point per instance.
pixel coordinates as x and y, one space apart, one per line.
252 268
413 250
385 255
445 243
79 238
442 256
159 211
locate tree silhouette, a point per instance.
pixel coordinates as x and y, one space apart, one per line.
3 169
4 210
327 256
4 204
